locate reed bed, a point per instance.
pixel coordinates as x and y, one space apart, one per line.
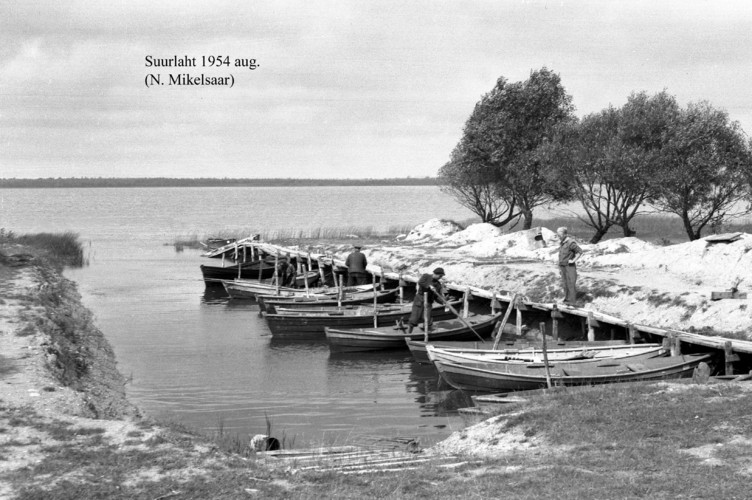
194 240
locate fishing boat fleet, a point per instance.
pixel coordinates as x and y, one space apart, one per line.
468 349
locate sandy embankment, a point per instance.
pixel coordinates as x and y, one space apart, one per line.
662 286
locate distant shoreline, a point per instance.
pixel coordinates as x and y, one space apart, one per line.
95 182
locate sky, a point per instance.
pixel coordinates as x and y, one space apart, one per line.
350 89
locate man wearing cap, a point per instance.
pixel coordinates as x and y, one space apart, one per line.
356 267
427 284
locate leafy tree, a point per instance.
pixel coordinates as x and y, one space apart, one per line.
473 184
498 155
610 160
708 169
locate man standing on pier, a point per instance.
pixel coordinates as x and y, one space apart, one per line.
427 284
356 267
569 254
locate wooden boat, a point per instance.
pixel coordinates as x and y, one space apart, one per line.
474 378
561 358
269 303
250 288
418 347
214 275
371 339
310 324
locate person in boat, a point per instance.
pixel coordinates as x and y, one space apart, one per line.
356 267
569 254
285 272
427 284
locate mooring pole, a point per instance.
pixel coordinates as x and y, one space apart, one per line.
276 270
545 354
375 311
426 316
466 303
305 281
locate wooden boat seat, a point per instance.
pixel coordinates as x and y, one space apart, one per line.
636 367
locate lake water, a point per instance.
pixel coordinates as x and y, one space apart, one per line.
195 357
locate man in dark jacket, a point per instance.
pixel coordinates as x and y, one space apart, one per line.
427 284
356 267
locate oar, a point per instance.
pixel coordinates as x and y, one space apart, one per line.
459 316
504 321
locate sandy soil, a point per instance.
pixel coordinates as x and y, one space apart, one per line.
663 286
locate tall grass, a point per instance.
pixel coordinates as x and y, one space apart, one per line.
62 249
194 240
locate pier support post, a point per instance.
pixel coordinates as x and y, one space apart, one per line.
555 315
676 346
632 333
466 303
590 327
322 276
730 357
519 318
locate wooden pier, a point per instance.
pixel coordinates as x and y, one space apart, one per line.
591 321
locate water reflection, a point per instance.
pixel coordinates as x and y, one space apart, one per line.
215 295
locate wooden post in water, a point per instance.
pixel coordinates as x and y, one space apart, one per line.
495 303
504 320
401 289
426 315
310 261
339 289
305 281
276 270
519 318
381 279
466 303
632 333
545 354
261 266
238 260
321 273
375 311
244 252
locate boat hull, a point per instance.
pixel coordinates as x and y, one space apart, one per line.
214 275
418 347
269 303
470 378
372 339
251 289
311 325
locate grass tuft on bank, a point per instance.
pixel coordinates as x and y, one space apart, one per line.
60 249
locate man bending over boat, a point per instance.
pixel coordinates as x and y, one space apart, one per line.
427 284
286 272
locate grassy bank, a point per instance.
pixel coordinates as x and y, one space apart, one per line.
640 441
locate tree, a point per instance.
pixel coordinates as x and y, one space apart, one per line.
473 184
499 149
708 169
610 160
